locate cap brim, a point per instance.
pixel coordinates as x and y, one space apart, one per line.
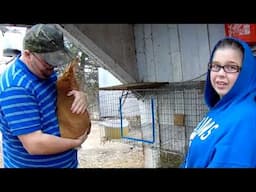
57 58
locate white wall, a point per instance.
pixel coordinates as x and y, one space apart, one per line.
107 79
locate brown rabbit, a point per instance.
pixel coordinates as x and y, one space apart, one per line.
71 125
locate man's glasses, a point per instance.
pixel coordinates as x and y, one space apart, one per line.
40 59
227 68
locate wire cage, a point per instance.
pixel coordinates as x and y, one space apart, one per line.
160 119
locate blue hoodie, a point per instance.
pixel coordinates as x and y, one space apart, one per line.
226 136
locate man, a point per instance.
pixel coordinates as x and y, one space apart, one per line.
28 120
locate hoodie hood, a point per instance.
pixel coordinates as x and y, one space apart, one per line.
245 83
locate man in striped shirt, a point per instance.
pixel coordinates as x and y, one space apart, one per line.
28 118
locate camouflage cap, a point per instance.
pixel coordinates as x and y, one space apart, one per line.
47 40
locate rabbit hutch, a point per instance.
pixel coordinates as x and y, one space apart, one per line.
156 116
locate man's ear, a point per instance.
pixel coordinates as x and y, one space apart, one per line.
26 55
26 52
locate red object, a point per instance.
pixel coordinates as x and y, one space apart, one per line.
246 32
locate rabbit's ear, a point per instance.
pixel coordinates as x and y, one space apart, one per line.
73 65
71 74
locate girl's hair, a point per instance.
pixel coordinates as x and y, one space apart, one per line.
230 43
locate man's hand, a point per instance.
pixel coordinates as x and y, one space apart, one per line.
79 104
82 139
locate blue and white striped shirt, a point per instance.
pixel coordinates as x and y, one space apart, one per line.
28 104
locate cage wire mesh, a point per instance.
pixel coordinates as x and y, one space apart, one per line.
161 119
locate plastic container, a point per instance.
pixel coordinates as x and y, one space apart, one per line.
112 128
